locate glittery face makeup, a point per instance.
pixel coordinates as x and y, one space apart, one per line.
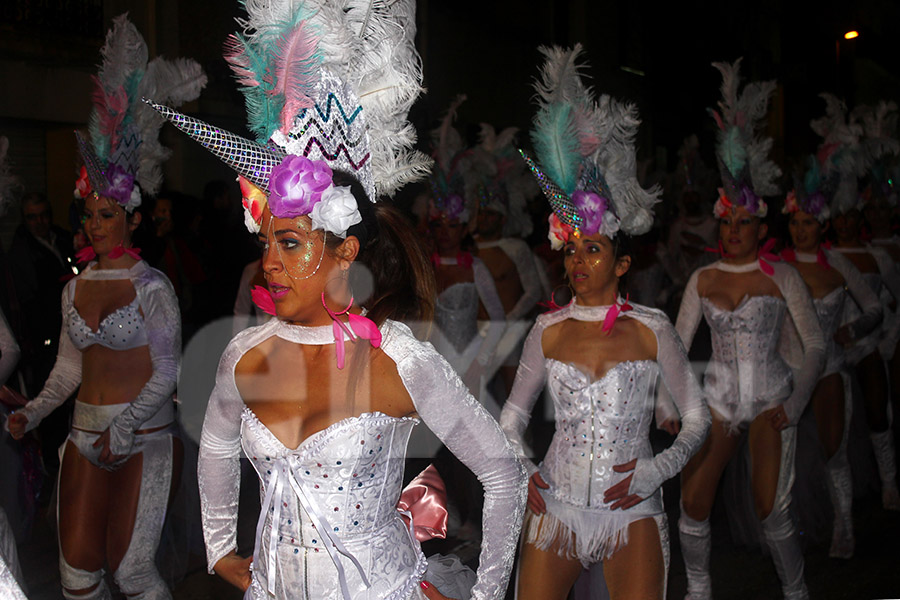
590 262
740 232
299 249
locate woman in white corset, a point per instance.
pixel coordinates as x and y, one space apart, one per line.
833 281
323 398
596 497
747 298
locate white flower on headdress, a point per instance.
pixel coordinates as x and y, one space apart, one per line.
250 223
134 200
336 212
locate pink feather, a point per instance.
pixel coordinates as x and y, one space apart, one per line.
111 109
366 329
718 119
236 58
263 300
294 70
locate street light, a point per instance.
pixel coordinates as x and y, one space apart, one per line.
851 34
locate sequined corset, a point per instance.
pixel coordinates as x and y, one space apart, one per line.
456 315
745 374
340 486
830 309
122 329
598 424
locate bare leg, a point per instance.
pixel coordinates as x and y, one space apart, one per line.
873 380
828 406
699 480
637 570
772 464
545 575
83 506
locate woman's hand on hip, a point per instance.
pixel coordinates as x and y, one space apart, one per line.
432 592
16 424
536 502
618 493
235 570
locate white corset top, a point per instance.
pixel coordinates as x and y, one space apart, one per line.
830 310
746 374
599 424
122 329
332 501
456 314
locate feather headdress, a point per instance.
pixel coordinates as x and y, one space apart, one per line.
331 82
503 182
880 147
585 156
123 154
452 188
741 151
828 184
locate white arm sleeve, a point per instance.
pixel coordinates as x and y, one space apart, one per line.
219 462
9 350
519 252
65 377
689 315
683 388
473 436
162 321
890 275
487 292
862 294
530 378
803 313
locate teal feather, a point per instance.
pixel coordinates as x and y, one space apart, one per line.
131 90
812 179
556 145
99 141
733 151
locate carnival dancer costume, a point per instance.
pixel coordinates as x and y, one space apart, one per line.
329 526
454 189
585 165
746 374
828 173
121 160
869 151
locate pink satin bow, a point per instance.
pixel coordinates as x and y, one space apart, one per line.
425 499
360 327
263 299
766 257
613 313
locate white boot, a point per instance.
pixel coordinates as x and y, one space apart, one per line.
840 489
695 547
883 445
781 537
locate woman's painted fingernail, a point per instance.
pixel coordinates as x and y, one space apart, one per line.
425 585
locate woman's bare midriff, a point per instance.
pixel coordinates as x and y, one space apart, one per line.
113 376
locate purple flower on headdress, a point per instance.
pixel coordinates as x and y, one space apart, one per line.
455 207
591 207
296 185
814 204
754 204
121 183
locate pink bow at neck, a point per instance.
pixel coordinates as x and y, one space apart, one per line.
609 321
360 327
424 504
766 257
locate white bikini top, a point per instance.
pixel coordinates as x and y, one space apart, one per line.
122 329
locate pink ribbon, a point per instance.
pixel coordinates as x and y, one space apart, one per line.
263 299
766 257
613 313
425 500
86 254
119 250
360 327
822 259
